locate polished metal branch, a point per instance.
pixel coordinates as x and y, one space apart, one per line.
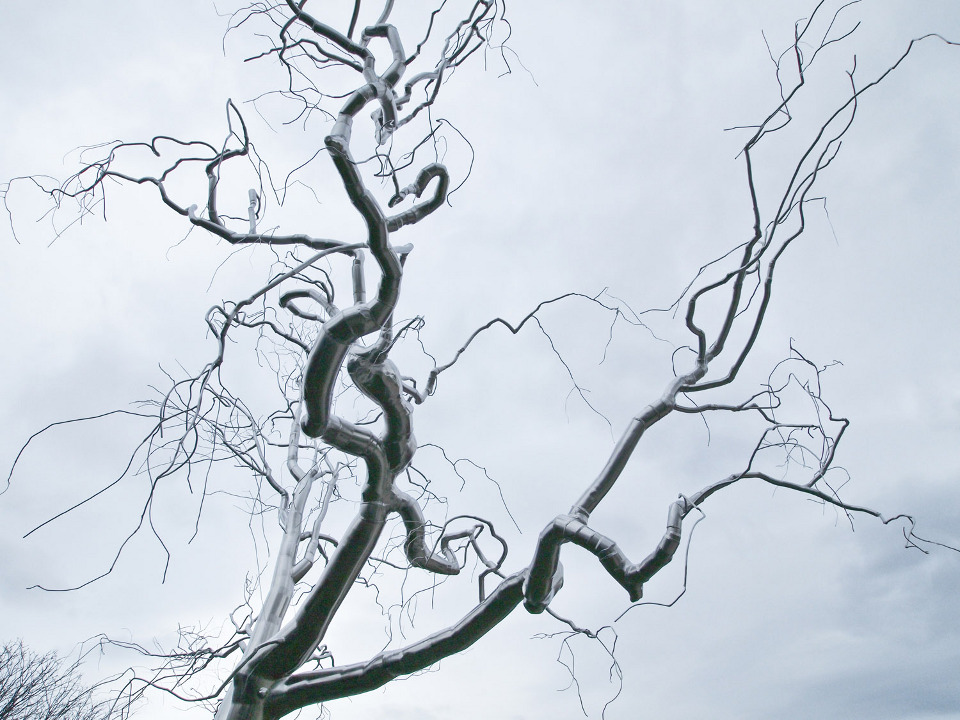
279 654
345 681
545 575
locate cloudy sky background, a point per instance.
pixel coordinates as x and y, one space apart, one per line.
605 165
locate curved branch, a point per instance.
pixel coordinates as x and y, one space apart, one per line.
322 685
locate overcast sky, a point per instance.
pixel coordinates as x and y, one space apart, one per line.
601 162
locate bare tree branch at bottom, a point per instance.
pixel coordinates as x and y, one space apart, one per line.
44 686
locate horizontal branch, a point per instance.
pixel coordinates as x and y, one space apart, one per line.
322 685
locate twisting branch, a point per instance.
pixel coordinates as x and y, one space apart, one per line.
759 256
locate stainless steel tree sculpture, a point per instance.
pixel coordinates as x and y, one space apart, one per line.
304 447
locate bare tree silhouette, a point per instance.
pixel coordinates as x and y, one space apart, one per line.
43 687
